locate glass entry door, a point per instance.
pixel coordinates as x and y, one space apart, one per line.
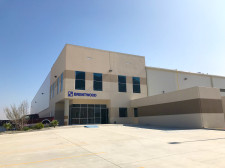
88 114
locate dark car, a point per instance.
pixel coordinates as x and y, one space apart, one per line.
34 118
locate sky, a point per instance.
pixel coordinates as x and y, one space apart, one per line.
187 35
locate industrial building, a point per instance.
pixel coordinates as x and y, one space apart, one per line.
92 86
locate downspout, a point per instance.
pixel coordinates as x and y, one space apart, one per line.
178 88
147 81
211 79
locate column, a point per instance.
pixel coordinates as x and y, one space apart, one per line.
66 112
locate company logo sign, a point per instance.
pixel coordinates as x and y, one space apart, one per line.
72 94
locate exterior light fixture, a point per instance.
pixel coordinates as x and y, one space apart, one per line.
185 78
55 76
110 70
42 93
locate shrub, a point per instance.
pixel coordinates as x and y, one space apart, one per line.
46 125
39 126
26 128
8 126
54 123
17 114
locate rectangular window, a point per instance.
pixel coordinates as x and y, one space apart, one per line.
222 90
122 83
58 86
136 85
123 112
97 77
61 87
53 89
135 112
80 80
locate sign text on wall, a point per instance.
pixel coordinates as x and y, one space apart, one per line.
71 94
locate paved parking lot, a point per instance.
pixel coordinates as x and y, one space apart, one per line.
113 146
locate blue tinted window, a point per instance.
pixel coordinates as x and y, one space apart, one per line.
135 112
97 81
61 87
80 80
57 85
122 79
123 112
80 75
136 85
122 83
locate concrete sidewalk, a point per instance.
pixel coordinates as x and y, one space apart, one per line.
113 146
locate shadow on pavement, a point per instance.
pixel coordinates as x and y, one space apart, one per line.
197 140
159 128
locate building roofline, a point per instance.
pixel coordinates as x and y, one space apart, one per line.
175 70
104 50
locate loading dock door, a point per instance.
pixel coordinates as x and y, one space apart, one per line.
88 114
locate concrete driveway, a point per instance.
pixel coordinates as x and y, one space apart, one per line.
112 146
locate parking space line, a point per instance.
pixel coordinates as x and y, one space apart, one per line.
43 148
38 149
41 161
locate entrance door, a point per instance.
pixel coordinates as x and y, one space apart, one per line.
88 114
104 114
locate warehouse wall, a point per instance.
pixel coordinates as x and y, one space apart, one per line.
186 80
41 101
161 81
219 82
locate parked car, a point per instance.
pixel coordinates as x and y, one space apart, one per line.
2 122
34 118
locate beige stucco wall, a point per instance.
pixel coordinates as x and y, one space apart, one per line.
209 93
180 95
223 102
204 116
180 121
59 112
100 61
213 120
57 69
77 58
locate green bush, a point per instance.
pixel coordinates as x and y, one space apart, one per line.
26 128
54 123
8 126
39 126
46 125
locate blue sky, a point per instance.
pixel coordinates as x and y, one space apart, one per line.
186 35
